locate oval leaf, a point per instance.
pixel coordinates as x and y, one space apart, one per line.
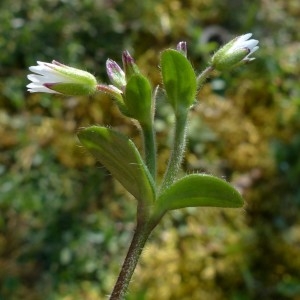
138 98
179 79
120 156
199 190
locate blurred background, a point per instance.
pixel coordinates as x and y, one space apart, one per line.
65 223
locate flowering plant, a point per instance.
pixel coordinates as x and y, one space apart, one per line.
133 94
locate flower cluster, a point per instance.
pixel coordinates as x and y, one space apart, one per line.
58 78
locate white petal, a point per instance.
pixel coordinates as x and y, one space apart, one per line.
250 44
36 88
254 49
34 85
244 44
42 90
46 65
47 76
244 37
33 77
40 69
36 69
53 78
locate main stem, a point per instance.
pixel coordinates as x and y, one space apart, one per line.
139 239
177 150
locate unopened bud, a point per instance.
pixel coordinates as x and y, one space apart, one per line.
129 65
115 74
181 47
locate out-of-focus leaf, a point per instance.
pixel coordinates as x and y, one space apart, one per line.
120 156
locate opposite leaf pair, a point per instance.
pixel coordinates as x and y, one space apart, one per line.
133 94
120 156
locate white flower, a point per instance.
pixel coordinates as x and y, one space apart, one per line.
243 42
235 52
58 78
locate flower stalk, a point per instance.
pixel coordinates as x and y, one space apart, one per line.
177 150
149 141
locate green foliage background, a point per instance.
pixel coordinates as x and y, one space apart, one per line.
65 223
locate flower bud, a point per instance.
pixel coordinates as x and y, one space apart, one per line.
58 78
181 47
115 74
129 65
235 52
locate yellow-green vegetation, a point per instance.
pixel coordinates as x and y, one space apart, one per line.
65 223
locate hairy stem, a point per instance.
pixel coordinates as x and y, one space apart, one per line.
177 150
150 148
139 239
203 76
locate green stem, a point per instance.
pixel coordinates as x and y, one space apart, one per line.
203 76
139 239
149 148
177 151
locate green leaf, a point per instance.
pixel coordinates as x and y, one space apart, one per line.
120 156
179 79
138 98
199 190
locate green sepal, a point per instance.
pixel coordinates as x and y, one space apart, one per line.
138 98
228 61
121 158
199 190
179 79
223 50
71 89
